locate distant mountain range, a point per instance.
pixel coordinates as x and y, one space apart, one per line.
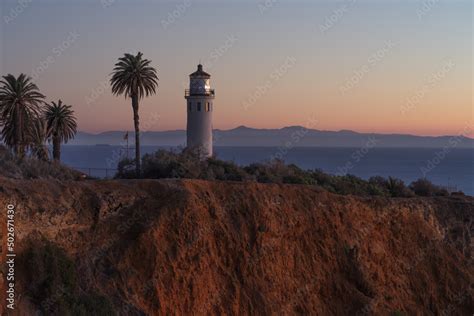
293 136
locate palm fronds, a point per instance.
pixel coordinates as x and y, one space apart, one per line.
20 102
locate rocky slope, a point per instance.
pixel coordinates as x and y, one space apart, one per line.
196 247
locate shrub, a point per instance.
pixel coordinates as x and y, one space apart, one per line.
424 187
349 184
295 175
324 180
397 188
276 171
93 304
263 173
126 169
168 164
31 168
188 164
50 276
223 170
53 284
379 184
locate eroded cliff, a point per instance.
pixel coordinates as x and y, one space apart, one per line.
197 247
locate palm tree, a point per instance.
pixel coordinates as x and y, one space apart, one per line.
38 137
134 78
20 102
61 125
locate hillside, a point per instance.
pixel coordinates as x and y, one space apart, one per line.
158 247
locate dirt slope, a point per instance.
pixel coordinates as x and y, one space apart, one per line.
195 247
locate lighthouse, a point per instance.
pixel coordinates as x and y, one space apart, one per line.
200 105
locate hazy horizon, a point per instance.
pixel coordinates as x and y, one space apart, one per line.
131 131
391 67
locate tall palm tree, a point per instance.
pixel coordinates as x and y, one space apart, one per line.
134 78
38 137
20 102
61 125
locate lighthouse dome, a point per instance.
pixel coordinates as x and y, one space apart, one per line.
200 73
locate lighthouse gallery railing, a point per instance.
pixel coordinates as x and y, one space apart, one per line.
189 92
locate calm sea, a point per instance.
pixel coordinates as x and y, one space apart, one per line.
450 167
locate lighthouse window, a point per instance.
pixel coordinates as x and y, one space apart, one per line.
199 106
208 106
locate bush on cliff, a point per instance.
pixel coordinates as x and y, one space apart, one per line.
424 187
53 284
276 171
348 184
188 165
126 169
31 168
392 186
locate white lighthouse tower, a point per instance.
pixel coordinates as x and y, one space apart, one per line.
200 99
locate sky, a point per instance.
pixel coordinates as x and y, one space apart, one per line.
364 65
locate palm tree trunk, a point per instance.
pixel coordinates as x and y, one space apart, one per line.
136 121
18 133
56 148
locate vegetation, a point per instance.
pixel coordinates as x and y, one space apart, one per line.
61 125
424 187
20 102
188 165
38 139
33 168
28 123
392 186
52 283
134 78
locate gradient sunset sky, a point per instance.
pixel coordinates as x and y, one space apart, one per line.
369 66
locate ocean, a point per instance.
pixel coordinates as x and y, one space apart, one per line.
449 167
